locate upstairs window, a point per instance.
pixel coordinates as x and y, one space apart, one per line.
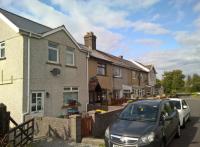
117 72
70 56
101 69
133 75
2 50
53 52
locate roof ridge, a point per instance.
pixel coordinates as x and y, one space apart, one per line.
24 18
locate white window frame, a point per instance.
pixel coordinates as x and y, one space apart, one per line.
57 51
2 48
120 72
70 53
133 75
35 104
101 66
70 90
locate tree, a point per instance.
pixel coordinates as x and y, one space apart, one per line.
188 84
195 83
173 81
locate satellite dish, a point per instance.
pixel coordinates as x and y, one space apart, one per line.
55 71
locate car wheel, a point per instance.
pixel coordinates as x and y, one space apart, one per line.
178 131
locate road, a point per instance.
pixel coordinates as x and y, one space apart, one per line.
191 134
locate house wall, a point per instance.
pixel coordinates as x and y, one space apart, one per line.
11 91
43 80
123 80
105 81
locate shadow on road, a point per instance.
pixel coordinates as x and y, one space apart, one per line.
187 134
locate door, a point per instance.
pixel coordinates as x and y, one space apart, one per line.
185 110
169 124
37 103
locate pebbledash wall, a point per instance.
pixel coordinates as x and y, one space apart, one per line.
41 78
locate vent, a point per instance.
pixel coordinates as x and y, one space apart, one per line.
55 71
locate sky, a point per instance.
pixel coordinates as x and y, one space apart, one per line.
165 33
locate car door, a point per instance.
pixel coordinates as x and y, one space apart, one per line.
185 110
170 122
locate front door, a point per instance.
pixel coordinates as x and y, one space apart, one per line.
37 103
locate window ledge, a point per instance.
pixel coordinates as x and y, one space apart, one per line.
71 66
117 77
102 75
51 63
3 58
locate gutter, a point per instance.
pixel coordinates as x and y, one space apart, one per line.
28 78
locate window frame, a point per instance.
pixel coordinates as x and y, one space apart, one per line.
36 104
55 49
72 89
2 48
120 72
100 65
70 52
133 77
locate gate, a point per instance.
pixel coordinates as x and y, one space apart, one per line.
86 126
20 135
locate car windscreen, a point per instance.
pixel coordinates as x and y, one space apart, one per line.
139 112
177 104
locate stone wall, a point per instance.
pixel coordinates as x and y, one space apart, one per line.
52 127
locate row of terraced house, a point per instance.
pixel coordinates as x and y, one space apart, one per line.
43 70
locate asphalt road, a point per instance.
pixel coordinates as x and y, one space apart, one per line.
191 134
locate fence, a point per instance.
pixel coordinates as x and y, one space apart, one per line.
20 135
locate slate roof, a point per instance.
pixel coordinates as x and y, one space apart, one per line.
24 23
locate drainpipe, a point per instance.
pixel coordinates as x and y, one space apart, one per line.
87 58
28 78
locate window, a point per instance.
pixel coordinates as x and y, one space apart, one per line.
70 56
53 52
70 95
37 101
167 110
117 72
101 69
133 75
2 50
116 94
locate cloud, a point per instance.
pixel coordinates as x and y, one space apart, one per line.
155 17
185 59
149 28
197 7
149 42
188 39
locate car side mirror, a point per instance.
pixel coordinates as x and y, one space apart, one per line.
185 106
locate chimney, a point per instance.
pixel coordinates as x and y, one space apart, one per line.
121 57
90 40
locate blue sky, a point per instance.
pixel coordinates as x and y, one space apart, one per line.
160 32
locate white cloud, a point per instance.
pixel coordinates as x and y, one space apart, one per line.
185 59
197 7
188 39
150 28
149 42
155 17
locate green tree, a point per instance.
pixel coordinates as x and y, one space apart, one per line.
195 83
173 81
188 83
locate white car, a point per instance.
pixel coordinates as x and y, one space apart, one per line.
183 110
